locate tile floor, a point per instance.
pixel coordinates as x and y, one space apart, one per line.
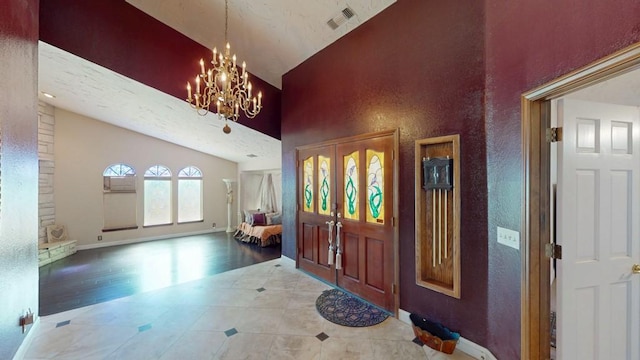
263 311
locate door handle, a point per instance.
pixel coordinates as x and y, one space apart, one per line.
330 239
635 269
338 250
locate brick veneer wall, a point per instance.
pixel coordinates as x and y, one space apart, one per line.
46 205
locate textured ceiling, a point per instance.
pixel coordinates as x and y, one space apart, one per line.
91 90
272 36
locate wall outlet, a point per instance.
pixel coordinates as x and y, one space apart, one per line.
99 237
214 225
509 238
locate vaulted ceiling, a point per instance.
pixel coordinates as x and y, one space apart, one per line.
272 36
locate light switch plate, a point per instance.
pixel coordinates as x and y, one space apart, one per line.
509 238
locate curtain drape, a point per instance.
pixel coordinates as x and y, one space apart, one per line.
267 195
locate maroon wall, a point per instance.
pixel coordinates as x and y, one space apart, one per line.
118 36
529 43
18 169
420 66
417 66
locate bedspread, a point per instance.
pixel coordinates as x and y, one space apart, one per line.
263 235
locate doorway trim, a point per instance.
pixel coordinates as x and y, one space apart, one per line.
535 289
395 133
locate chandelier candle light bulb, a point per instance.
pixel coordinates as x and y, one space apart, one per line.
225 85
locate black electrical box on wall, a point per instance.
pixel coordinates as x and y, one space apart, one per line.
437 173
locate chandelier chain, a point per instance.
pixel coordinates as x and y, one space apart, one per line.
226 20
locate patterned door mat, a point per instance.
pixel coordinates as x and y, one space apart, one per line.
347 310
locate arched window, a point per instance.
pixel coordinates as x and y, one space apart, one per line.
119 197
119 170
157 196
190 195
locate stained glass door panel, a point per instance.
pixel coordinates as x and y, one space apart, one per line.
324 185
375 187
307 188
365 200
315 195
350 186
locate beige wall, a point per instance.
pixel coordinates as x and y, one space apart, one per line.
84 147
260 164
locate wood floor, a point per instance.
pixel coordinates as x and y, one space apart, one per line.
98 275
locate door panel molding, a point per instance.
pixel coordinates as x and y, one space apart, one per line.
356 232
535 296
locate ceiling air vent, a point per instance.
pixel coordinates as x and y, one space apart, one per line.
344 15
252 155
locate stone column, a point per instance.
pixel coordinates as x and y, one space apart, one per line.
229 183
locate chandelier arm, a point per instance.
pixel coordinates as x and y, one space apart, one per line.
224 86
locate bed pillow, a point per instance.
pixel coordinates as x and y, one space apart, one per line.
270 216
248 215
259 219
276 220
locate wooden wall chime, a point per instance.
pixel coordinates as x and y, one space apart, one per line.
438 179
437 169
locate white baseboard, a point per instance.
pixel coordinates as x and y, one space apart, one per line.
474 350
150 238
404 316
26 343
466 346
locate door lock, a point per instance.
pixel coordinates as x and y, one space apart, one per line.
635 269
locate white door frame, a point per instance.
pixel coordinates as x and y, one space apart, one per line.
535 297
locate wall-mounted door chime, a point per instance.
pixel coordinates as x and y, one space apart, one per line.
438 214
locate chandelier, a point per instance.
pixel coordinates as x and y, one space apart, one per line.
223 87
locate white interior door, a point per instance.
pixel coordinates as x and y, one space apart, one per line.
598 228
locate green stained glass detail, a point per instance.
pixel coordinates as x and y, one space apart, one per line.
307 193
375 187
324 186
351 186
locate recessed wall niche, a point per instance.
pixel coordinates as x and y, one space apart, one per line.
437 186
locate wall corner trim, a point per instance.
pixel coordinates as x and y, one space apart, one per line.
24 347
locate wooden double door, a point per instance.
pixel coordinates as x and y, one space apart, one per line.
346 225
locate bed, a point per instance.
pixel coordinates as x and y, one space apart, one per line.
264 235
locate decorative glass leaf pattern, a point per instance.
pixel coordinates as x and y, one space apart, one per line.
324 183
351 164
307 191
375 187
